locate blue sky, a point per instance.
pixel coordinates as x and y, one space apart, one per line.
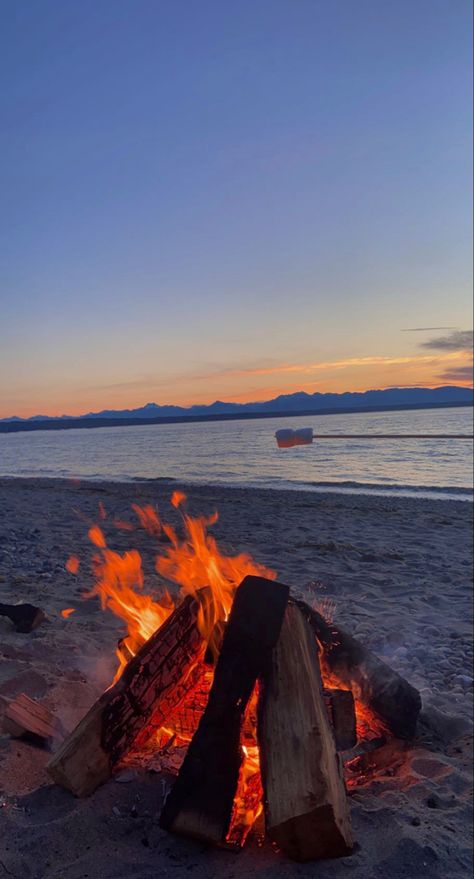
197 194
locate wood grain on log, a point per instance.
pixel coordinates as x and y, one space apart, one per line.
155 680
200 803
306 808
396 702
24 715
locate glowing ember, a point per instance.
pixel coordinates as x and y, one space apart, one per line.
248 801
67 612
368 724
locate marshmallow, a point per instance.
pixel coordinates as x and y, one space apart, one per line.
287 438
303 436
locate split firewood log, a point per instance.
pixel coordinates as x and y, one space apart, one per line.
156 680
306 807
25 716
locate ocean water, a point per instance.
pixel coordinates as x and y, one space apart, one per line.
245 453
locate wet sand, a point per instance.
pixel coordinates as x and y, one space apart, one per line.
399 574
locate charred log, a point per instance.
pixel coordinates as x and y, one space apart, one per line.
201 801
152 683
25 617
341 710
389 695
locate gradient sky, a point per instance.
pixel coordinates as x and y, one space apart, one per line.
208 200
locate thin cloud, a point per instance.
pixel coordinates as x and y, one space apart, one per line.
460 340
458 374
352 362
425 329
267 368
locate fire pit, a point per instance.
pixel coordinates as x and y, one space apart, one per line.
248 693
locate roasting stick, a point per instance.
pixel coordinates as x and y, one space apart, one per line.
286 438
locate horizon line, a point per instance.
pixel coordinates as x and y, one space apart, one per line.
242 405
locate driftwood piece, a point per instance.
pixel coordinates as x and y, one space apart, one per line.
389 695
341 709
306 808
25 617
154 680
26 716
200 803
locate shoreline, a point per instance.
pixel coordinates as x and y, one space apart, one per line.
346 488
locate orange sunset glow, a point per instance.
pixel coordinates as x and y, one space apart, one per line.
256 382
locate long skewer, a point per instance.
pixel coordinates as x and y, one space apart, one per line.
456 436
287 438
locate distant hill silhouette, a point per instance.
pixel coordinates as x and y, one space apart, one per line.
285 404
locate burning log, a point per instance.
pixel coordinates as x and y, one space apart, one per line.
25 716
306 810
389 695
25 617
201 801
341 709
156 680
163 712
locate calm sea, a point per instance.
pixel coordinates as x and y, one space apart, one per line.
245 453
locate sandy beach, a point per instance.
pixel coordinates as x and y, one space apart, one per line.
398 574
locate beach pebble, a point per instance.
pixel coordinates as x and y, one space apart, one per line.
464 680
432 631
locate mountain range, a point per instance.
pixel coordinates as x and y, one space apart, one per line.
299 402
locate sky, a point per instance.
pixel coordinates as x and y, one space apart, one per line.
210 200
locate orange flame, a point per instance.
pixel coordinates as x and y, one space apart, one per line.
148 518
196 562
102 510
119 581
72 564
67 612
177 498
123 525
193 563
96 536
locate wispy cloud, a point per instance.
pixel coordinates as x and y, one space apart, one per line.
425 329
272 368
458 374
326 365
460 340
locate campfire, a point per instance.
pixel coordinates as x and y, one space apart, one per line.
251 697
